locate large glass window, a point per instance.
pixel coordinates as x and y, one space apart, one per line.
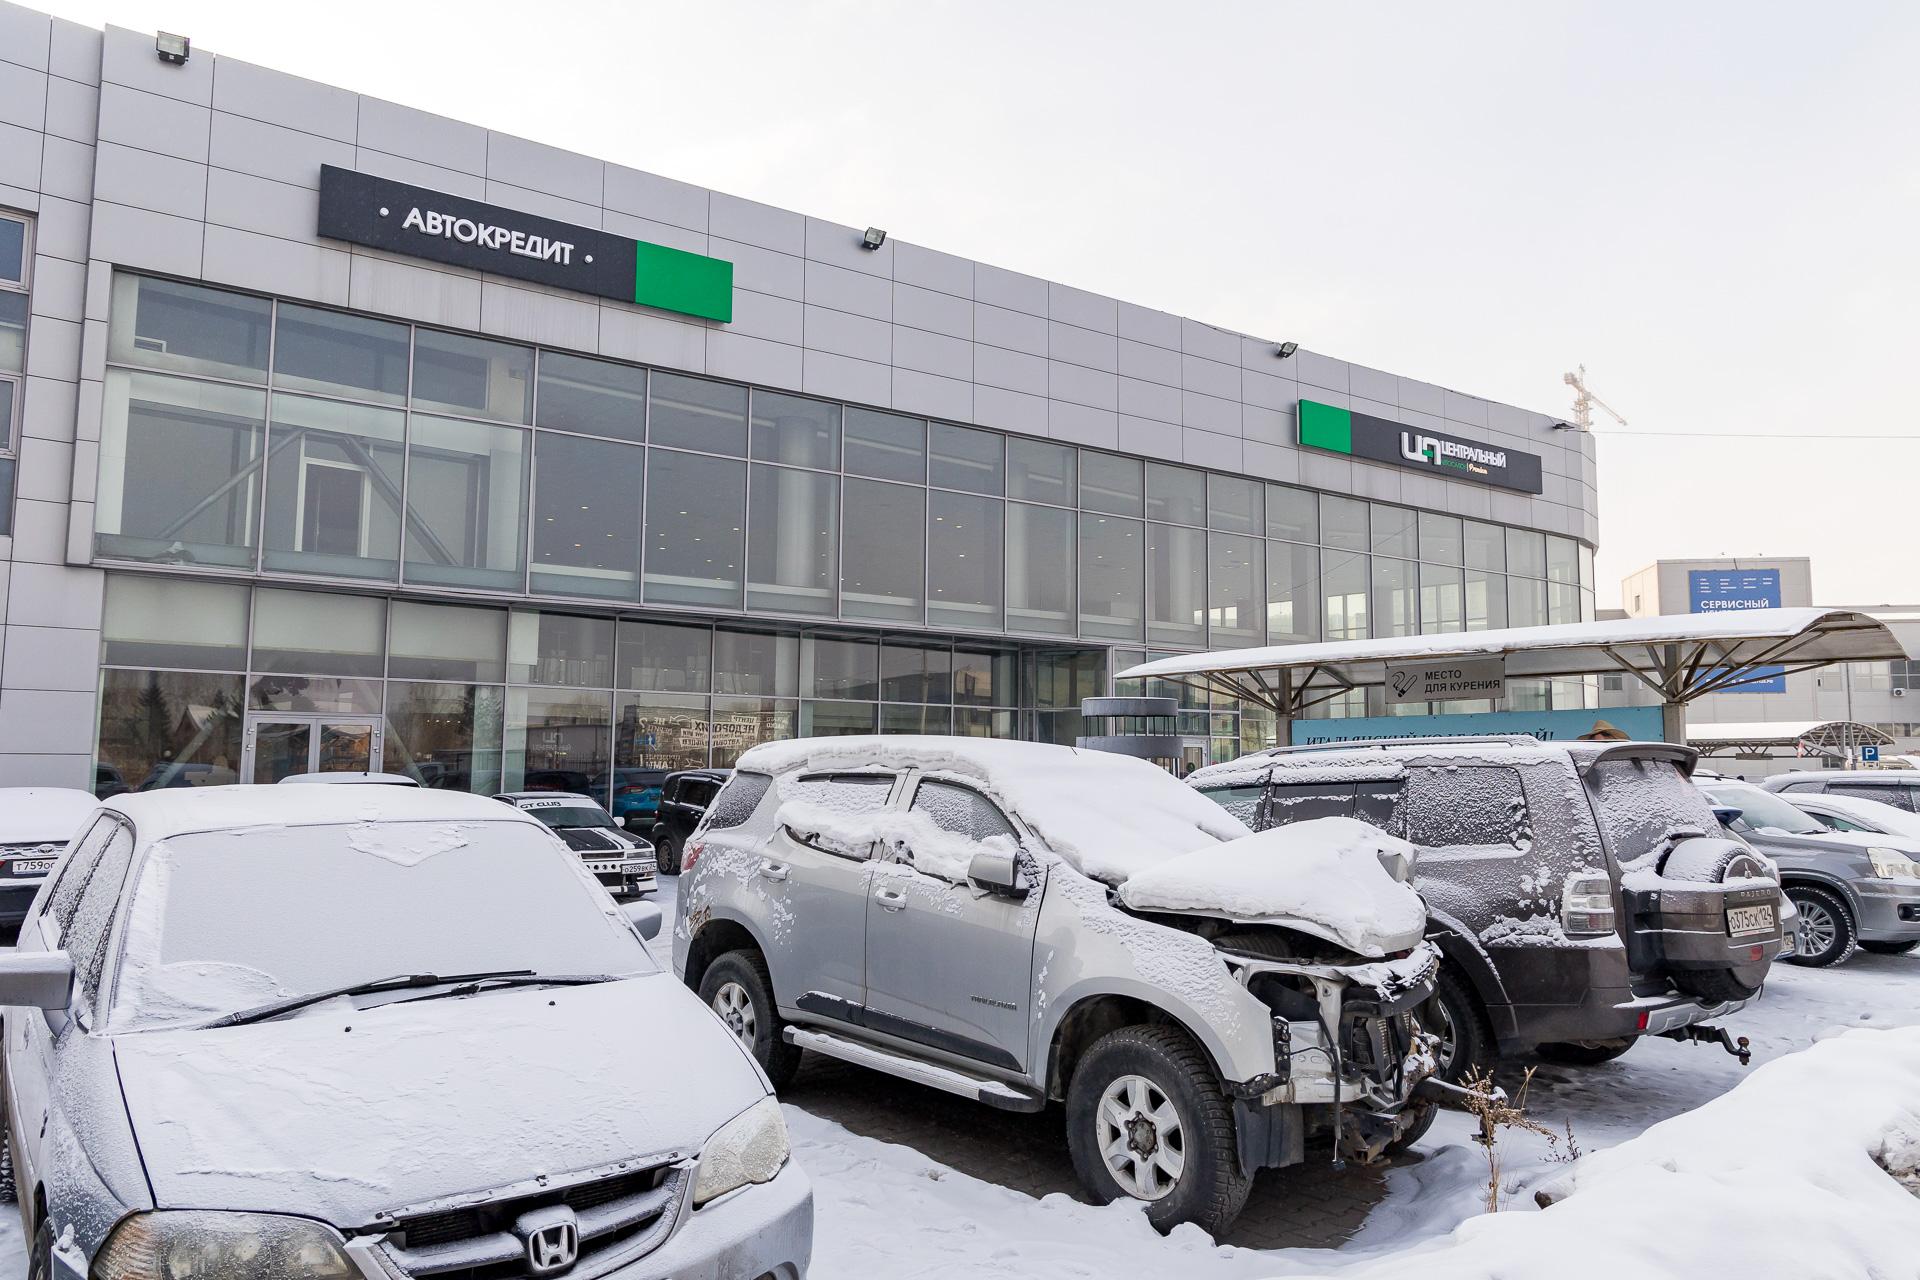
1233 504
1441 607
1439 538
966 565
755 662
1527 553
693 413
167 622
962 458
1293 593
179 470
185 328
445 735
1176 585
739 723
985 676
334 475
1486 601
657 731
1293 514
559 740
1112 562
1236 590
592 397
1526 602
1040 569
1344 586
168 729
911 719
916 672
665 656
1177 495
557 648
883 558
1111 483
1395 532
1563 602
1343 522
338 354
473 377
1395 598
1563 560
13 250
1486 546
821 719
447 642
13 331
696 517
314 633
836 668
886 446
795 430
793 522
586 516
1039 471
466 504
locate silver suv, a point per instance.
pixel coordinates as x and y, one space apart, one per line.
1014 923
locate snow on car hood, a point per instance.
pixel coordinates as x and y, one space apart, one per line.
1326 877
339 1113
1108 815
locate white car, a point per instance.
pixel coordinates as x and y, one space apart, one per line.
620 860
35 825
371 1034
1856 813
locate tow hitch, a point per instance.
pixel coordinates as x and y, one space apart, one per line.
1704 1034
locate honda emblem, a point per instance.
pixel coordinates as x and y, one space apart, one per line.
552 1238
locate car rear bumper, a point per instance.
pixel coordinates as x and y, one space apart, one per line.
1889 909
16 895
1598 1001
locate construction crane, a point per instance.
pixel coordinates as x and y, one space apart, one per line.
1584 401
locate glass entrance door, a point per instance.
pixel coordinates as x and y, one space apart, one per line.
278 746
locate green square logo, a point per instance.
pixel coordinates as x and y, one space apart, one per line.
1324 426
675 280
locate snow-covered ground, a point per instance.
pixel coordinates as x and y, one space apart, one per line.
890 1211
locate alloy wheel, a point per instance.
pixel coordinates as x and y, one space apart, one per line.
1819 931
1142 1141
735 1008
1438 1020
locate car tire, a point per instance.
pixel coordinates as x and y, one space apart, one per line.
739 990
1175 1103
1454 1014
9 1192
40 1261
1828 935
1889 948
1711 861
1585 1053
666 854
1423 1115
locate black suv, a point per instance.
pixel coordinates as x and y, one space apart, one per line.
1583 894
684 798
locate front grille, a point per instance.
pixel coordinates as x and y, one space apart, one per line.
620 1216
1373 1045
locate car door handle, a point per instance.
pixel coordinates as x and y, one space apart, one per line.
891 899
771 870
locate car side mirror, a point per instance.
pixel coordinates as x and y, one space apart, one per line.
1727 815
996 873
36 980
645 917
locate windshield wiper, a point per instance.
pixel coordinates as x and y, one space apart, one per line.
397 982
496 981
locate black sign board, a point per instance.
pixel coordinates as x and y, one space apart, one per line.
1361 435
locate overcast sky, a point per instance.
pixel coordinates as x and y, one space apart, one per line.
1714 205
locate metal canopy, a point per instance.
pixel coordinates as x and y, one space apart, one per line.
1816 737
1679 657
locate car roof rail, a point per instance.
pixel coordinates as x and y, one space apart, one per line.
1455 739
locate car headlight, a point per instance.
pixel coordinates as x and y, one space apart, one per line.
203 1245
1891 864
749 1148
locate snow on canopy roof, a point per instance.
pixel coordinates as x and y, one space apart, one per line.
1786 733
1688 654
174 811
1110 815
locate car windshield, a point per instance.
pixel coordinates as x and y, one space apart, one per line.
1763 810
224 921
573 815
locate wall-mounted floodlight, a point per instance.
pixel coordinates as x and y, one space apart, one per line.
873 239
1286 349
172 48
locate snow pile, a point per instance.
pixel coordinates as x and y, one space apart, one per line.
935 851
1108 815
1325 876
1803 1167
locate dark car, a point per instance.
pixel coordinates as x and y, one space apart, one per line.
636 797
621 861
684 798
1583 894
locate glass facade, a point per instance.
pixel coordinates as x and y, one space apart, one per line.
16 261
290 444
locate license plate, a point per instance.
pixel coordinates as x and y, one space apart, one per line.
1744 920
32 866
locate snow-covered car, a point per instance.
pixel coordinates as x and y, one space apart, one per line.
1839 812
1583 893
350 778
371 1034
1018 923
621 861
35 825
1897 787
1853 889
